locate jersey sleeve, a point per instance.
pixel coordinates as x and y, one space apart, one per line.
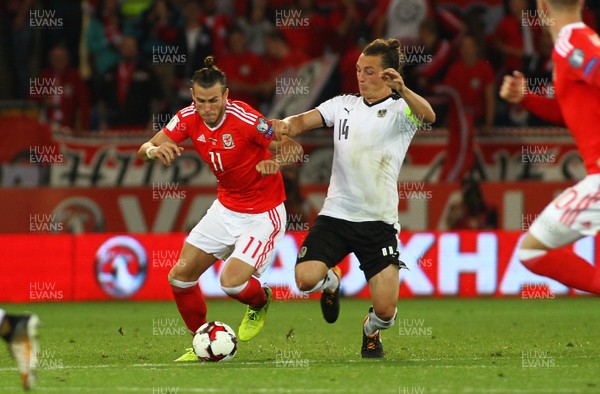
582 54
177 128
260 131
545 108
328 110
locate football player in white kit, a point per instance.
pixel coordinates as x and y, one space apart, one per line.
372 132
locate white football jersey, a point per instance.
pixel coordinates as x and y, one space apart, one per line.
370 143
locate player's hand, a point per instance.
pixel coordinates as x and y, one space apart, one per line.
392 79
280 128
167 152
513 87
267 167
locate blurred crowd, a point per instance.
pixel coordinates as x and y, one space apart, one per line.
115 64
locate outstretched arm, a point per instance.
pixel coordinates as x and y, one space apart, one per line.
513 90
296 124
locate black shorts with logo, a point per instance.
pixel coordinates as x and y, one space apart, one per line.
374 243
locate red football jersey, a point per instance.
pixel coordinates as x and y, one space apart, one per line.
232 149
471 82
577 87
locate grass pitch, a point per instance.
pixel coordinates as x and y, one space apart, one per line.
436 346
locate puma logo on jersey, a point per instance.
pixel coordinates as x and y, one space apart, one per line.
348 110
202 138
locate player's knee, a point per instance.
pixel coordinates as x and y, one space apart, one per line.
304 285
386 313
181 271
383 319
530 258
304 280
228 282
232 284
174 273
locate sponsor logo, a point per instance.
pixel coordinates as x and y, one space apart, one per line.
121 266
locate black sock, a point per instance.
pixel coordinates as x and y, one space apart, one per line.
12 323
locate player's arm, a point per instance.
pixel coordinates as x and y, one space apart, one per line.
296 124
286 151
583 59
160 147
420 109
513 90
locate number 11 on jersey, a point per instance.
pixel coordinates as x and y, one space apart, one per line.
218 165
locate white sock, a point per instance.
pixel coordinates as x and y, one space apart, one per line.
374 323
2 314
329 283
332 282
319 286
181 284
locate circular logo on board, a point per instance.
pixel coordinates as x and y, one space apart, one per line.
121 266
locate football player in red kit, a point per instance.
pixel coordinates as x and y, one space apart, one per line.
248 218
575 213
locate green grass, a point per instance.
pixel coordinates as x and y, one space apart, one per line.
437 346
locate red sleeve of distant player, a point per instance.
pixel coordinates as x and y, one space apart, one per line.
177 127
545 108
583 58
260 132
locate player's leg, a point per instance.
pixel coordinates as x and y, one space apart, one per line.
20 333
561 265
382 315
208 241
204 245
239 282
561 223
183 278
380 261
316 266
257 236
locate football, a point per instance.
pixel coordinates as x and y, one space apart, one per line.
215 341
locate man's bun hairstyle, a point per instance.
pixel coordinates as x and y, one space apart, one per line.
209 75
388 50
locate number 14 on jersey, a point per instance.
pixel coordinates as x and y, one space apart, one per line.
343 129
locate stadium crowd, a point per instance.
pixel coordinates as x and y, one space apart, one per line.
119 62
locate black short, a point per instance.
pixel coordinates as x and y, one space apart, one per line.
375 244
